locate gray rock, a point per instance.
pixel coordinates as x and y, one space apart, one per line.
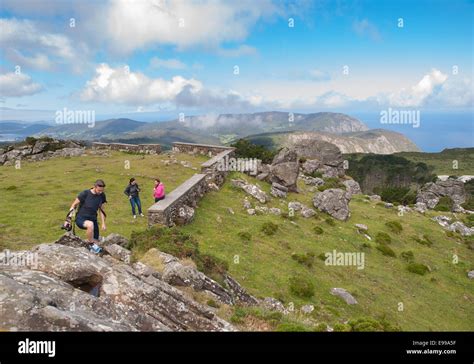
431 192
470 274
72 289
252 190
420 207
274 211
361 227
307 309
115 239
312 181
375 198
251 211
346 296
333 201
247 204
278 190
388 205
272 304
295 206
285 169
307 212
352 186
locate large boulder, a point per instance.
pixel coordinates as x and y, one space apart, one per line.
320 156
72 289
431 192
333 201
285 169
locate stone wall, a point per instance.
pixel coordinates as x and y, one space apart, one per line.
203 149
178 206
123 147
174 209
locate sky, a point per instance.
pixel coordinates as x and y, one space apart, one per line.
153 59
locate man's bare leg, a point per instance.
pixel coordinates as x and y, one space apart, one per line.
90 230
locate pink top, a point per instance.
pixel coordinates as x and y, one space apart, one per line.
159 191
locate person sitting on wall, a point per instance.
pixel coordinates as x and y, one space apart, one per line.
158 190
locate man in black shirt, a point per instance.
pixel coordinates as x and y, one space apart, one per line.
90 202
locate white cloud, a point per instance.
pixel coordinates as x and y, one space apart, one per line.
27 45
120 85
242 50
419 93
17 85
171 63
185 24
366 28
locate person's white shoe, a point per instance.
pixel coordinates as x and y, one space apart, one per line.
142 215
134 216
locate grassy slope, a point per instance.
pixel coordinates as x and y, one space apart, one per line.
440 300
33 213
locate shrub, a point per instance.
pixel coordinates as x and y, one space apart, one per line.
332 182
371 324
305 259
383 238
246 149
269 228
330 221
341 328
291 327
408 256
444 204
418 268
318 230
394 226
175 242
424 241
244 235
386 250
399 195
301 287
11 188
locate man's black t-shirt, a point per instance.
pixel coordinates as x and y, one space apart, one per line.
90 203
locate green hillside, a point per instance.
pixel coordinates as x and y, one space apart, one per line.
272 261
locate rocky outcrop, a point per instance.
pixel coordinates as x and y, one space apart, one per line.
320 156
41 149
285 169
278 190
72 289
333 201
431 192
457 226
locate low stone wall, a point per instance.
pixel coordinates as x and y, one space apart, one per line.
177 207
203 149
123 147
212 170
173 209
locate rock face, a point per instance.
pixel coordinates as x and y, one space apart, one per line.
431 192
72 289
278 190
285 169
41 149
333 201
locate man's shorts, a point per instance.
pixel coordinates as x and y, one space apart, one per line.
80 223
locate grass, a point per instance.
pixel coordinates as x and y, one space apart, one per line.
37 197
266 264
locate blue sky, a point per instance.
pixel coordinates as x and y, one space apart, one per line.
156 58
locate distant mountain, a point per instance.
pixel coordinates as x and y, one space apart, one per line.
378 141
21 128
350 134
